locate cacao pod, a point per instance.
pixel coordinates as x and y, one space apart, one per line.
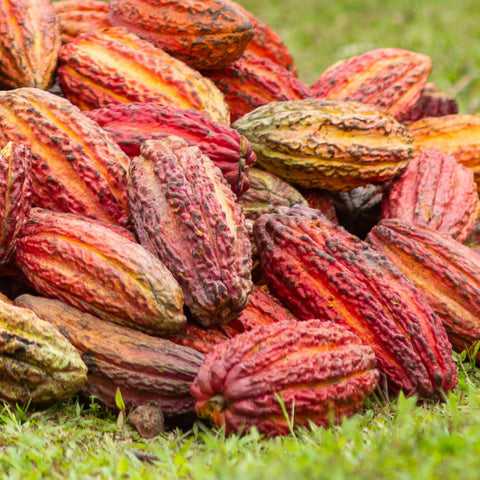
132 123
435 191
446 271
29 43
329 144
320 271
145 368
185 212
76 166
113 65
92 267
320 371
390 78
201 33
37 363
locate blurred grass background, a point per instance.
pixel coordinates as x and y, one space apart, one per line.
318 33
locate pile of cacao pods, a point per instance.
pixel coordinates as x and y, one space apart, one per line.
186 222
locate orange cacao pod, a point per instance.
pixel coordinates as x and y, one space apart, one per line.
318 270
447 272
185 212
201 33
145 368
80 16
29 43
435 191
15 197
390 78
320 371
120 67
252 81
132 123
76 166
328 144
91 266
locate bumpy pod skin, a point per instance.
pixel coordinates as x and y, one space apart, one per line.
76 166
145 368
132 123
329 144
456 134
29 43
185 212
266 193
37 363
92 267
319 270
434 191
201 33
80 16
320 370
390 78
252 81
113 65
15 195
447 272
431 103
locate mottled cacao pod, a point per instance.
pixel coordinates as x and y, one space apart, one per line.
447 272
132 123
319 270
431 103
329 144
15 195
29 43
92 267
457 134
185 212
320 371
113 65
145 368
434 191
266 193
37 363
321 200
390 78
262 309
80 16
252 81
202 33
76 166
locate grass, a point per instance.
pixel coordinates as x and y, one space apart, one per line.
390 439
318 33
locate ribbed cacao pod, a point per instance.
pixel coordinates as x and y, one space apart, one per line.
80 16
390 78
320 371
92 267
112 66
446 271
132 123
434 191
145 368
320 271
329 144
202 33
29 43
431 103
457 134
252 81
266 193
321 200
185 212
15 195
76 166
37 363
